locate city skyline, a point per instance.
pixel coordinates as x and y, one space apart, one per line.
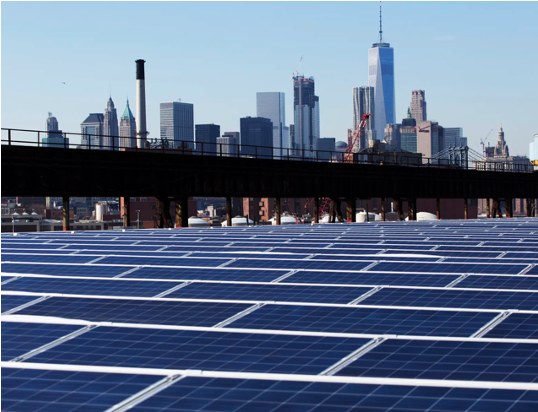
476 64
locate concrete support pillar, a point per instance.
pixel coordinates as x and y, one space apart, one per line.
163 207
488 209
182 212
228 211
499 209
398 207
438 208
277 211
317 206
126 200
351 210
412 209
383 216
509 208
494 207
530 207
466 208
65 213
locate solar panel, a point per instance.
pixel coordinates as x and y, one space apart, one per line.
219 351
50 390
291 293
364 320
242 395
470 361
160 312
395 316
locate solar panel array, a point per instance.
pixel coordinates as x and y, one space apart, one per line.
381 316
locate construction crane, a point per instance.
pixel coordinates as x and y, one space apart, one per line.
355 137
484 141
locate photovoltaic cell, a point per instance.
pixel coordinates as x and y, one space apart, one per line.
12 301
100 287
423 359
65 270
246 275
26 258
164 261
453 298
42 390
364 320
136 311
221 351
517 325
20 338
290 293
298 264
369 278
239 395
508 269
499 282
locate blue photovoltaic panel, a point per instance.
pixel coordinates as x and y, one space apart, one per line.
298 264
453 298
499 249
364 320
471 361
42 390
509 269
136 311
220 248
499 282
290 293
18 247
164 261
115 287
10 301
245 275
27 258
223 253
517 325
64 270
240 395
221 351
20 338
533 271
110 249
379 257
369 278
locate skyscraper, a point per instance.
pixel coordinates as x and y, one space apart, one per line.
177 124
228 144
453 137
306 116
55 136
256 137
381 77
271 106
92 131
127 129
206 138
110 127
363 103
418 105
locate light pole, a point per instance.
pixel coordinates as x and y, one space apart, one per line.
138 219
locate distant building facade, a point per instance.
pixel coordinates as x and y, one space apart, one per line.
408 135
256 137
206 138
127 129
418 105
92 131
110 127
306 117
228 144
177 124
364 103
271 105
55 137
381 78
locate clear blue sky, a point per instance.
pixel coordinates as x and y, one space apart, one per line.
477 61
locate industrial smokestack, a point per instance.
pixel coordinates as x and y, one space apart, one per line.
141 132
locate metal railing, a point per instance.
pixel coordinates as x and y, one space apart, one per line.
46 139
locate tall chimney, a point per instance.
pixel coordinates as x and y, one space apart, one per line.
141 132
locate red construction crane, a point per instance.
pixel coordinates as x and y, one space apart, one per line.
348 155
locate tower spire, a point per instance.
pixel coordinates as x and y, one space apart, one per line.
380 25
